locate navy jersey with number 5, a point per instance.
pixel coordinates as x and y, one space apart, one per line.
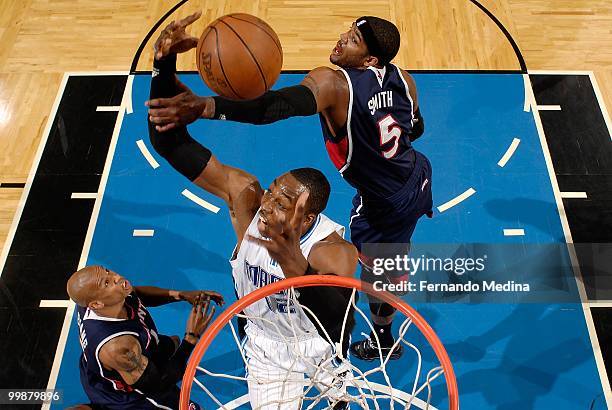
374 153
106 387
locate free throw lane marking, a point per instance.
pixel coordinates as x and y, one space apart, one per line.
143 232
514 232
203 203
578 195
549 108
147 154
455 201
509 152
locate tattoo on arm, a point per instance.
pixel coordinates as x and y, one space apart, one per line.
125 356
134 363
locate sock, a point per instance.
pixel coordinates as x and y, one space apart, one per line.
384 335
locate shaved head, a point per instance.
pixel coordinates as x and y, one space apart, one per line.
82 285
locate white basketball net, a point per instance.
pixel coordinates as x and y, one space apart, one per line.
319 390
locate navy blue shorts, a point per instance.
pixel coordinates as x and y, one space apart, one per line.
393 219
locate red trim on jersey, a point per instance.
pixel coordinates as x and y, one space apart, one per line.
337 151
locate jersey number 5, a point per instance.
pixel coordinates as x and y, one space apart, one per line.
389 131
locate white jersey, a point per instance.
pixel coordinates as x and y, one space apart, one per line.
253 268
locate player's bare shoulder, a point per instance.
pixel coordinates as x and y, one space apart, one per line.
328 86
334 255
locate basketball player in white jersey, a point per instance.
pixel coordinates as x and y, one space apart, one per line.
281 233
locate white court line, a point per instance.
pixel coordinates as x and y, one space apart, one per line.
603 375
527 86
128 97
108 108
84 195
602 104
147 154
54 303
143 232
95 73
468 193
203 203
61 344
579 195
554 72
600 303
549 108
26 190
514 232
509 152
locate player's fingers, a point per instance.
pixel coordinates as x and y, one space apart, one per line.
194 306
171 27
276 234
299 211
257 241
190 19
155 102
215 296
209 316
205 304
269 244
199 309
158 112
164 128
161 120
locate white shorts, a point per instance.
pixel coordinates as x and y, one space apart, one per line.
276 370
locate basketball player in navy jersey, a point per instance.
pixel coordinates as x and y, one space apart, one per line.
370 116
281 233
126 363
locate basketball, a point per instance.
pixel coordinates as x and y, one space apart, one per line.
239 56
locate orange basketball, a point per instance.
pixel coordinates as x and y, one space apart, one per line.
239 56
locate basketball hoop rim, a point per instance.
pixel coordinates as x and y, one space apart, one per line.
309 281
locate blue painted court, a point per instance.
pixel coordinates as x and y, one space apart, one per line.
506 355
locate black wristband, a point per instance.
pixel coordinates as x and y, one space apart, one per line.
192 334
165 66
184 350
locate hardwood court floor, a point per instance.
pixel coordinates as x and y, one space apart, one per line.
42 39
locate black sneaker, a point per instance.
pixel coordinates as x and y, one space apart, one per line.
368 350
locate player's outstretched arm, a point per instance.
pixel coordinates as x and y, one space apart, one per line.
317 93
239 189
152 296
